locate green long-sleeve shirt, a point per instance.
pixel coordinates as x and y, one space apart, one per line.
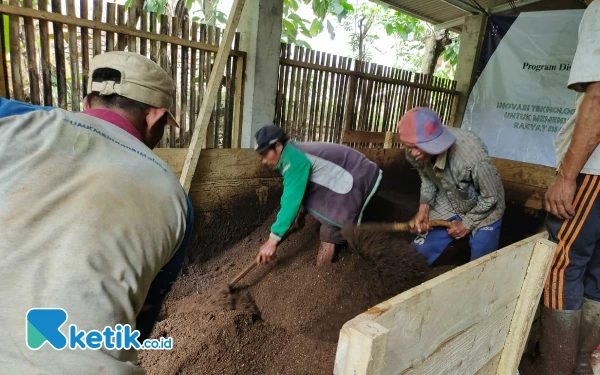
294 166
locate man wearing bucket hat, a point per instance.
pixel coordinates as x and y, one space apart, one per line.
334 183
94 225
458 183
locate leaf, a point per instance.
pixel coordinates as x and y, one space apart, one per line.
331 30
293 4
189 4
404 35
302 43
342 15
222 17
320 8
195 19
315 28
128 4
346 5
389 29
288 25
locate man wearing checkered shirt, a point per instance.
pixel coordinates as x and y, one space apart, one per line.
458 183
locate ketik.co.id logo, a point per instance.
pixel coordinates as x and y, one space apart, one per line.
43 325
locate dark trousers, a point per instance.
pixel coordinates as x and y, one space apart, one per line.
575 271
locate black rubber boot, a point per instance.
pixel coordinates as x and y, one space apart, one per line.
589 337
558 344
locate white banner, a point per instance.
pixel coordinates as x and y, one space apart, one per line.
521 100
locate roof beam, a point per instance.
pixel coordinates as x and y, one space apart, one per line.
493 10
406 11
463 5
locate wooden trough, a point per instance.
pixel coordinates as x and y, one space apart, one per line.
474 319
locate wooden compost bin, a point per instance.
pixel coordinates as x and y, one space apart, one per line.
474 319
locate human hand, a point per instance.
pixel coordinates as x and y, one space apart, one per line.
559 197
421 219
266 252
458 230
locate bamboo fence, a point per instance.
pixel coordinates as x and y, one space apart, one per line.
55 43
320 96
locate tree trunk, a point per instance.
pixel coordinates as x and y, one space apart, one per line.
210 12
435 43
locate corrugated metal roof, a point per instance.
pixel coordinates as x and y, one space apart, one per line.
439 11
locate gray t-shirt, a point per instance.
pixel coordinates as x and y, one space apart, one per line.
585 69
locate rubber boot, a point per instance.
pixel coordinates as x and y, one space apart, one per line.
326 253
589 337
558 344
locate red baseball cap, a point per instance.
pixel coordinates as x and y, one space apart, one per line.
422 127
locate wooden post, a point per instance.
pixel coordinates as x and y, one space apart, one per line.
528 301
32 60
238 113
389 139
74 59
15 55
4 92
471 40
210 98
350 99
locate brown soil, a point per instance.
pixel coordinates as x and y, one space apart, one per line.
287 313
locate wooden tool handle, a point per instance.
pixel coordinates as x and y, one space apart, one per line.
405 227
244 272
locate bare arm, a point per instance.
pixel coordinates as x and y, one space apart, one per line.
585 139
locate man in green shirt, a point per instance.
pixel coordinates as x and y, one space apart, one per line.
334 182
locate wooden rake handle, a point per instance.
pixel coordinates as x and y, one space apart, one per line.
243 273
405 227
402 227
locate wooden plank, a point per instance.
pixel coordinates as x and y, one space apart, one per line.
175 31
210 132
121 37
185 72
339 112
59 54
211 196
85 48
491 367
163 61
361 347
193 84
59 18
111 11
74 60
15 55
97 34
529 297
45 56
32 61
369 76
217 111
236 136
4 86
208 103
144 41
154 52
132 23
525 173
435 330
354 136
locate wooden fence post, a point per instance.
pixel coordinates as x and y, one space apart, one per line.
389 137
210 97
4 92
238 103
350 99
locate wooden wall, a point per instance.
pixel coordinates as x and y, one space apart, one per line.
224 174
